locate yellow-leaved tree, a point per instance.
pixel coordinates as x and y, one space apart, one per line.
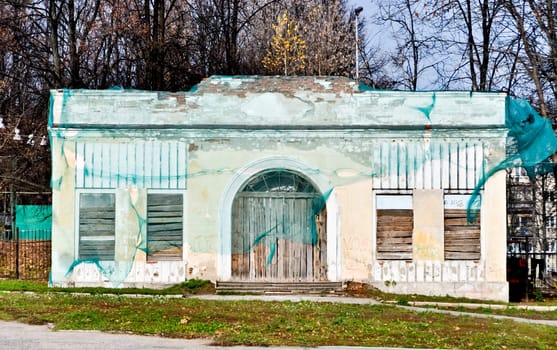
287 52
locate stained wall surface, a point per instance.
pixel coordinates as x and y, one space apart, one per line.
205 145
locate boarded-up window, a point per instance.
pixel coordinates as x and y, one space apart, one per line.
164 226
395 223
96 226
462 239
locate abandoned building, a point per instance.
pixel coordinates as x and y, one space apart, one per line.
284 180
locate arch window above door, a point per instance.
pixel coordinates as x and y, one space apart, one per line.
279 181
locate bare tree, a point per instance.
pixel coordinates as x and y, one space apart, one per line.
413 55
144 44
536 25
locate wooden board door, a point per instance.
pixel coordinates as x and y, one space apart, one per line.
277 237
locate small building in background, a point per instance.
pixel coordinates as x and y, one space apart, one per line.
293 180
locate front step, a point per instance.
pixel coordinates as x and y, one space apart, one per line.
223 287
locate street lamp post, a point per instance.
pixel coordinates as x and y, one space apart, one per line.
357 11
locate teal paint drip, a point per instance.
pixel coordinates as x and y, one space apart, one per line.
427 110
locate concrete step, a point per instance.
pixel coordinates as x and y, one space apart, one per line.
223 287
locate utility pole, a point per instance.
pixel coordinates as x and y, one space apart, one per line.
357 11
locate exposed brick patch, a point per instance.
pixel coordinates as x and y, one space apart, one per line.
240 85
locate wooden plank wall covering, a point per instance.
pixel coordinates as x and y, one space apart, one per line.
440 164
142 164
281 223
164 226
96 226
394 234
462 239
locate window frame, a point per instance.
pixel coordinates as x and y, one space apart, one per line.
406 205
149 256
78 201
460 203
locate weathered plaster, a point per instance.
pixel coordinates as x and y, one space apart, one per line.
217 102
323 128
428 236
63 200
355 201
493 211
131 213
483 279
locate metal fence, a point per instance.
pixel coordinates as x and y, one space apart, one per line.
25 254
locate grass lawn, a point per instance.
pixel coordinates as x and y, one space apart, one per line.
267 323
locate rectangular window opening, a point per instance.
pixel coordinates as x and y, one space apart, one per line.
96 226
462 238
395 224
165 226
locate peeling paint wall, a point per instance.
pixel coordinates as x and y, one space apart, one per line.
231 129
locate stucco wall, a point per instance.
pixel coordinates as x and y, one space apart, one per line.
429 274
329 135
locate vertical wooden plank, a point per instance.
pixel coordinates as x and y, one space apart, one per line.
308 248
97 157
134 165
173 165
401 174
453 171
142 165
463 165
410 164
105 172
480 161
164 151
458 165
245 244
407 168
323 246
268 269
376 163
437 165
88 165
235 239
295 257
250 229
182 161
419 172
148 166
268 258
278 265
445 164
156 165
121 158
391 166
427 163
299 240
262 248
281 211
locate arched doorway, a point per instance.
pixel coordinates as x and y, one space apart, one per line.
279 229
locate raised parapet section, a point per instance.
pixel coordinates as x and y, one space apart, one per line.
277 102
